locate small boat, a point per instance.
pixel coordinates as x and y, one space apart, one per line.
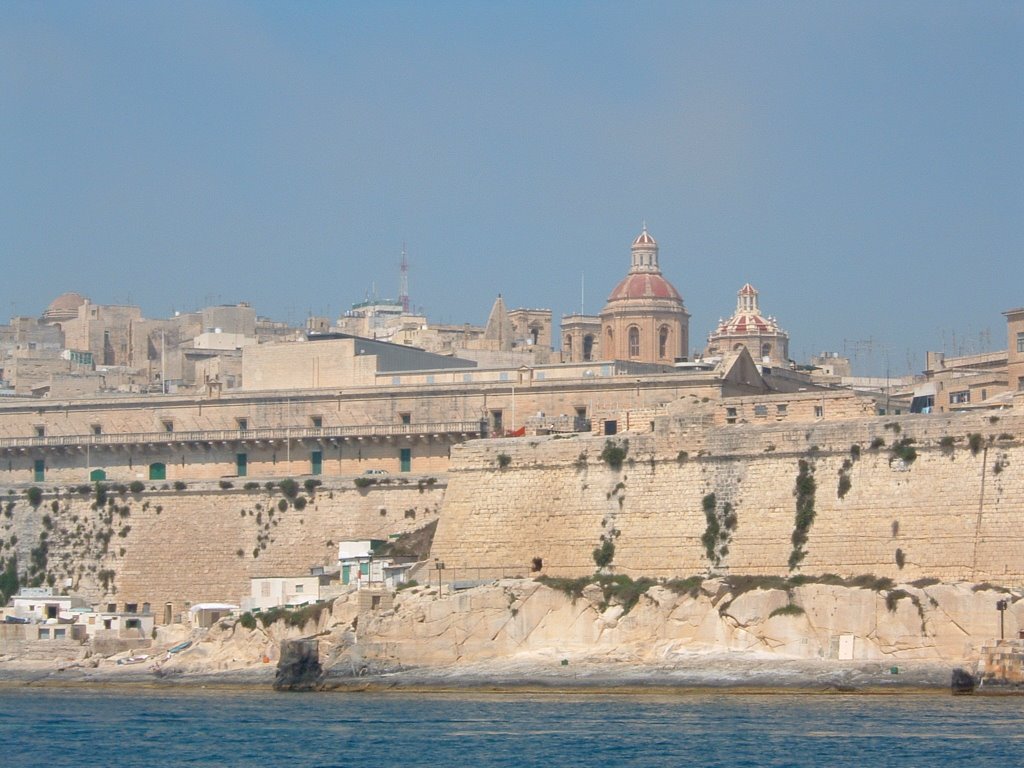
15 620
132 660
179 647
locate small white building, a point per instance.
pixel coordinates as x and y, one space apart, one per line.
40 604
267 592
360 566
205 615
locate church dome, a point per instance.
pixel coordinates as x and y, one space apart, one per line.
64 307
747 320
644 285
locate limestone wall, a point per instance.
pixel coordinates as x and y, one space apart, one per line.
951 513
201 543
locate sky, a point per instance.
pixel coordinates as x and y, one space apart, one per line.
859 163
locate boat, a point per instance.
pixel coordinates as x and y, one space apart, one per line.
133 659
179 647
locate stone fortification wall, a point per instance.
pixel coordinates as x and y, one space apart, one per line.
947 505
199 544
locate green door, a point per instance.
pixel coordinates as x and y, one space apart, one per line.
158 471
39 469
345 575
316 461
405 456
241 464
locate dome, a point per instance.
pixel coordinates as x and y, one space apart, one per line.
645 239
644 285
64 307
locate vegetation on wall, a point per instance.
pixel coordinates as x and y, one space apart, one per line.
804 492
614 453
720 523
903 450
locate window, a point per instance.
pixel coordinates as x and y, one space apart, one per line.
1020 342
568 347
316 421
761 410
819 411
467 377
111 607
298 589
730 415
168 425
588 348
40 430
243 424
496 421
663 342
131 607
634 341
39 470
503 376
781 409
766 350
133 624
405 417
97 429
957 398
1020 383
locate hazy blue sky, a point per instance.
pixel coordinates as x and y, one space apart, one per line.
860 163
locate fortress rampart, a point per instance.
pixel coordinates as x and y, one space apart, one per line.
936 497
202 543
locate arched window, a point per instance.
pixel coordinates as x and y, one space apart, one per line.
663 342
634 341
588 348
568 347
766 350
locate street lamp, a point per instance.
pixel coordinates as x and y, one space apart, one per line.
439 565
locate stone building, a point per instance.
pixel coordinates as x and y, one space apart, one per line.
748 328
1015 353
644 318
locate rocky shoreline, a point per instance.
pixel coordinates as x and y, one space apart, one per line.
525 636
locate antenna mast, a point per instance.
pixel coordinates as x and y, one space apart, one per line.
403 283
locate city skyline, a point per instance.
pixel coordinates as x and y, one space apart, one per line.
859 165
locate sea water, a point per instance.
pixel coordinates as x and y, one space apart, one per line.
156 728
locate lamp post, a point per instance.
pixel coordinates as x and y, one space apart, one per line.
439 565
1001 606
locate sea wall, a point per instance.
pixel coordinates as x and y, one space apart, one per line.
912 497
200 543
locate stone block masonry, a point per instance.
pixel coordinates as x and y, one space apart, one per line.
923 497
202 543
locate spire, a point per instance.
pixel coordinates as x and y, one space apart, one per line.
499 327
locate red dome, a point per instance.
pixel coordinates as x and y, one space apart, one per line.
644 285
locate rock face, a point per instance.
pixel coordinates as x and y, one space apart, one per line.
940 623
730 633
299 667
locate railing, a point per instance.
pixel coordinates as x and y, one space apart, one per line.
247 435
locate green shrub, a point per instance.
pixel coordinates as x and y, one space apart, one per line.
688 586
136 486
682 457
282 505
877 443
895 427
572 587
804 518
904 450
247 620
901 559
605 553
854 451
300 503
790 609
364 482
35 496
251 486
311 484
407 585
975 442
504 460
613 454
179 485
289 488
226 485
